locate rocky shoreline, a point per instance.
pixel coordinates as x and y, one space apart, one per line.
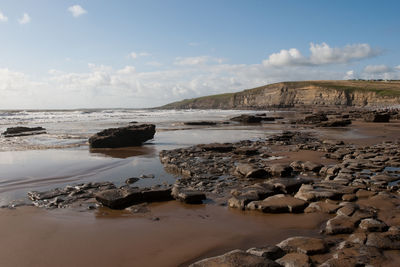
357 185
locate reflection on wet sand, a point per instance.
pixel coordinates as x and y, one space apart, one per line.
126 152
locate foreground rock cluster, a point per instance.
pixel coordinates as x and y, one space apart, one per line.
360 191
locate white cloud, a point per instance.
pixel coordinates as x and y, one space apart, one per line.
195 61
291 57
381 72
135 55
25 19
349 75
77 10
321 54
3 18
377 69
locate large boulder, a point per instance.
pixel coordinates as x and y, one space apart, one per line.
22 131
123 137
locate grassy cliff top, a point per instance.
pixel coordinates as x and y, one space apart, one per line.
381 88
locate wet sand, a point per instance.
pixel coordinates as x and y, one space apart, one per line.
181 234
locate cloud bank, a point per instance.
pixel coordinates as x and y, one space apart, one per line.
184 77
321 54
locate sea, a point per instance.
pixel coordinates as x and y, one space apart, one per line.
63 157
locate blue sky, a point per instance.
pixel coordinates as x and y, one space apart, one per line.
97 53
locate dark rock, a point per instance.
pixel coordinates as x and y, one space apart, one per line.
217 147
315 118
131 180
247 119
195 123
377 117
124 197
157 195
23 131
246 151
122 137
335 123
119 198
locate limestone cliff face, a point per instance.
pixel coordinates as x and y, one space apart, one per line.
297 94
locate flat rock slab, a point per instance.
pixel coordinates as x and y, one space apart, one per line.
373 225
341 224
236 258
188 196
387 240
134 135
304 245
278 204
294 260
23 131
269 252
322 206
123 198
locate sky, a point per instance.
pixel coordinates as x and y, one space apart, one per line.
133 54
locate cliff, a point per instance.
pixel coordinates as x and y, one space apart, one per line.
305 93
